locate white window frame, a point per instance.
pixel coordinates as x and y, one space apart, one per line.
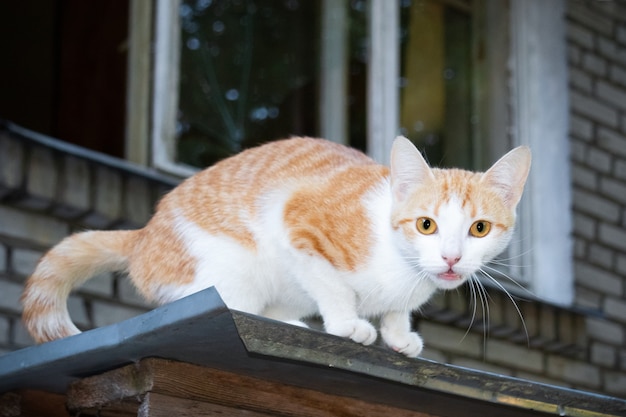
526 103
540 120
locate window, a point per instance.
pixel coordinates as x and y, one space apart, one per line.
436 85
246 72
465 79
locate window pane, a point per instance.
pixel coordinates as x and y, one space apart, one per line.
435 83
248 75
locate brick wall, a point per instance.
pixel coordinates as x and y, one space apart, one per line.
46 194
597 63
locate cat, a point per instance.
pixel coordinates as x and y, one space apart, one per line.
299 227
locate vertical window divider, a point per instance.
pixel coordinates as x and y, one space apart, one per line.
383 74
165 88
334 71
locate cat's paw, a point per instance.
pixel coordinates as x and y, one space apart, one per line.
359 330
409 344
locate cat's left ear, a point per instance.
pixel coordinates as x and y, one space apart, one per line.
508 175
408 168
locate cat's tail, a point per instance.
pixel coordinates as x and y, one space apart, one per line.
67 265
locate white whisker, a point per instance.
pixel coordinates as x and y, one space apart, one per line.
519 312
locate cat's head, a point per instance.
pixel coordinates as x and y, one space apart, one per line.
452 221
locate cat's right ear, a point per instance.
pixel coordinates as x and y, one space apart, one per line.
408 168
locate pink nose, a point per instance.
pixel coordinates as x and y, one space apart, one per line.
451 260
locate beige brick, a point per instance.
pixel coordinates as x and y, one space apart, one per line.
603 355
581 128
601 256
613 236
139 204
11 162
584 226
434 355
5 330
581 80
584 177
621 264
105 313
575 372
619 170
616 190
618 75
615 383
599 160
580 13
25 260
580 35
587 298
612 141
78 312
108 198
31 227
547 320
4 253
594 64
451 340
10 293
514 356
593 205
622 359
598 279
21 337
594 109
42 178
615 309
100 285
580 248
74 198
613 94
605 331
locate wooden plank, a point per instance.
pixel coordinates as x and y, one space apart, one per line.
199 384
158 405
32 403
10 404
121 388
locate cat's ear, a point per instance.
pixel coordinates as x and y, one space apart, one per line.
508 175
408 168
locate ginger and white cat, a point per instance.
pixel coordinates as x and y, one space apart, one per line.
298 227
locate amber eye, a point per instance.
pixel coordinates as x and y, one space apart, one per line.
426 225
480 228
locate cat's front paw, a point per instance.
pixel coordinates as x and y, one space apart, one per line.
359 330
409 344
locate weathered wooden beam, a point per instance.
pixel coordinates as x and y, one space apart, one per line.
158 405
160 385
32 403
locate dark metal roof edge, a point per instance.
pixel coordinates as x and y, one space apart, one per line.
200 329
87 154
104 348
278 340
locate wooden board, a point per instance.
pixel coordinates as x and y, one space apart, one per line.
32 403
164 385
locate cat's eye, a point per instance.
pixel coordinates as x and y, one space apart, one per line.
426 225
480 228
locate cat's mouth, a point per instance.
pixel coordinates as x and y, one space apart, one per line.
450 275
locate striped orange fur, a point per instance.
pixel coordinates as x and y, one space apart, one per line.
300 227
